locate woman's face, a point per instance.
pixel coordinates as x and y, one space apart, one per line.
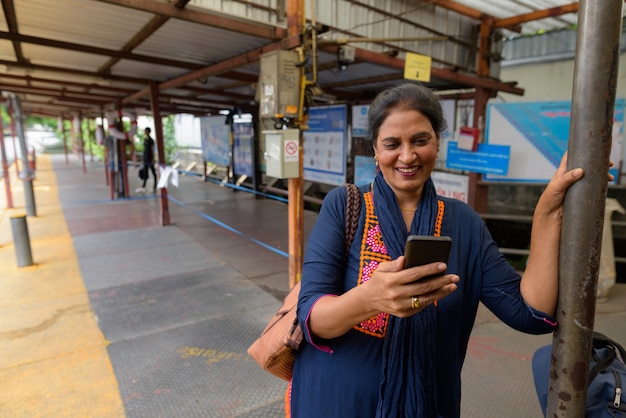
406 149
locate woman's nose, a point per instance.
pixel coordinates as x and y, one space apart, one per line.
407 153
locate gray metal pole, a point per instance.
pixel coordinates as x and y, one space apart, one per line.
589 147
26 175
5 167
21 241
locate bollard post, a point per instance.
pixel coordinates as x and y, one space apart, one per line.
21 240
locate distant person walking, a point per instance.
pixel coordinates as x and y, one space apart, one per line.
148 160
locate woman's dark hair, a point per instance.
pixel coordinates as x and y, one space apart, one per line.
406 96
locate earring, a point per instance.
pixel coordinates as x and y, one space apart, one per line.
376 159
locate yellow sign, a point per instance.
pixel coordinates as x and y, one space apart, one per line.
417 67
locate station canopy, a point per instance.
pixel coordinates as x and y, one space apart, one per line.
89 57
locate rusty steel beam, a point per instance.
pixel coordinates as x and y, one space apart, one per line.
44 91
413 23
461 9
65 83
98 51
11 19
512 22
144 33
204 17
62 70
593 101
221 67
469 81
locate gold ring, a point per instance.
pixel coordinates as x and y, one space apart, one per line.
415 303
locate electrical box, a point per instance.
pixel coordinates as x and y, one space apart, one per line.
346 54
279 84
282 153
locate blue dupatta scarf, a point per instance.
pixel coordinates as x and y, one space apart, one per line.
408 378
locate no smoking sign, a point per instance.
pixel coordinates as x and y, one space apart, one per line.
291 150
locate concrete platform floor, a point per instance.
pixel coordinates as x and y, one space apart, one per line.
121 317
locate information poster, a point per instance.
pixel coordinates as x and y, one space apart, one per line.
359 121
451 185
243 137
215 137
538 135
364 170
325 145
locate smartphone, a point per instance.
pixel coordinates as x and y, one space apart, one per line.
426 249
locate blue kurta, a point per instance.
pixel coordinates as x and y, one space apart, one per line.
341 377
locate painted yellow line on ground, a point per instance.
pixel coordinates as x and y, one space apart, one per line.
53 357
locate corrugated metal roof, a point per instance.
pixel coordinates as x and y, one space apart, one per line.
210 48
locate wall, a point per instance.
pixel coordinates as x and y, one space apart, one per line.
550 81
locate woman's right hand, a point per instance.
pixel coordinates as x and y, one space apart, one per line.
404 292
391 289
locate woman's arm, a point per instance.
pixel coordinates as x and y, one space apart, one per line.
328 306
390 289
539 284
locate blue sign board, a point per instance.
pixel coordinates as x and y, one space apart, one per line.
364 170
538 134
243 137
487 158
325 150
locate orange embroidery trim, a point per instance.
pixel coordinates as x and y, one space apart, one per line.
374 252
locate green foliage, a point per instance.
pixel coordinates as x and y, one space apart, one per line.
6 120
50 123
169 139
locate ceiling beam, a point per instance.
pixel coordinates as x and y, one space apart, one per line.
461 9
63 70
144 33
441 74
75 108
64 83
410 22
511 22
98 51
366 80
8 7
55 92
204 17
221 67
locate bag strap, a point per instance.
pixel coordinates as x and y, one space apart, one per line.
600 340
353 212
602 363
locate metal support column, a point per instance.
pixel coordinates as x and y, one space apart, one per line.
593 101
13 135
78 123
21 241
160 143
5 167
295 186
26 175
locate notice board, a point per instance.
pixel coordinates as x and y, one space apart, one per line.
325 145
538 134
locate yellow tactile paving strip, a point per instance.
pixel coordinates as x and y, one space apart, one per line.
53 357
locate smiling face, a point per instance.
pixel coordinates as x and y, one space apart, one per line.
406 149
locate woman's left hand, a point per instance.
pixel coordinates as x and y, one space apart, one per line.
552 198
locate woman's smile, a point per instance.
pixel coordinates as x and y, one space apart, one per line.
406 150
